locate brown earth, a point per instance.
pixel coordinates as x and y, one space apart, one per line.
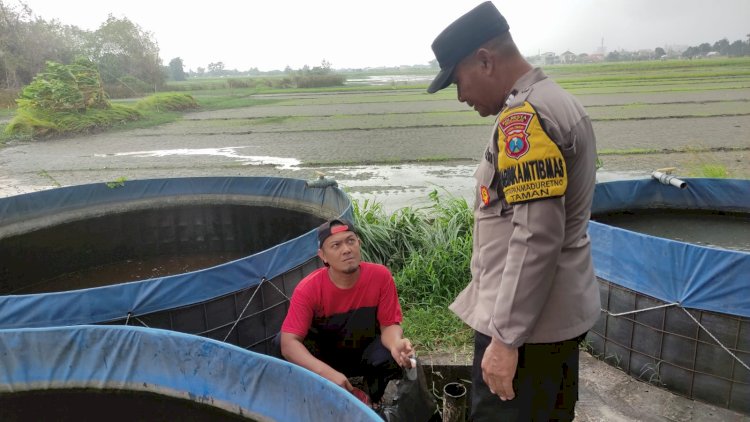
189 147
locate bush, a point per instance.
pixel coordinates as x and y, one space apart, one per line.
63 88
240 83
42 124
319 81
429 252
428 249
167 102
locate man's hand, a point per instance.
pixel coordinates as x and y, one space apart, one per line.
339 379
498 369
401 351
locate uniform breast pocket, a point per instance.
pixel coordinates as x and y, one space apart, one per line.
488 195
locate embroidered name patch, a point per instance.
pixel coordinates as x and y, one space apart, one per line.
532 166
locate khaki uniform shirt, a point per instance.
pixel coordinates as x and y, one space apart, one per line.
532 273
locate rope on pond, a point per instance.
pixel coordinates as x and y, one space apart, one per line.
640 310
239 318
262 280
717 340
135 318
726 349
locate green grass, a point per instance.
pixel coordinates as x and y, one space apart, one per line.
428 250
714 171
641 151
29 123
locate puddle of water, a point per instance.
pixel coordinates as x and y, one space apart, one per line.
391 80
408 185
398 186
228 152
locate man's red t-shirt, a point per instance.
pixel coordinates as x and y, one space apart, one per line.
338 318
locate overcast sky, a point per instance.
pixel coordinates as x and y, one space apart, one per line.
271 34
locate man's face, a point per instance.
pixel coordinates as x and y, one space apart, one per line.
473 86
341 252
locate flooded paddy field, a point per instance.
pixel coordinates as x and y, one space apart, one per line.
396 146
391 145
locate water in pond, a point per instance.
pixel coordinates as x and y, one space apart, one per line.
106 405
706 228
128 270
139 244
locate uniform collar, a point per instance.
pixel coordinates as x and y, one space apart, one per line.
529 78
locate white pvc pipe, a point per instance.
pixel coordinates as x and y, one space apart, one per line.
668 179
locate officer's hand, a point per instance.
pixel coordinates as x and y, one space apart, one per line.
498 369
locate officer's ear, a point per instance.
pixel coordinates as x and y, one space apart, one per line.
485 58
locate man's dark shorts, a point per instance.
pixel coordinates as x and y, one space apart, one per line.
374 363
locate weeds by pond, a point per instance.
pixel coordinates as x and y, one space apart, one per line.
714 171
428 249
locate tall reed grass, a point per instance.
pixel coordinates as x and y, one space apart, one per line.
428 250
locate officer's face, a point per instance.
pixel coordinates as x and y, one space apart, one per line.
341 252
471 81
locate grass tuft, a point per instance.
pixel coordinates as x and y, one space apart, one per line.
428 249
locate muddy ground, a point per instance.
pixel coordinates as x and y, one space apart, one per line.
433 142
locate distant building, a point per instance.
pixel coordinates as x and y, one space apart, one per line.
549 58
567 57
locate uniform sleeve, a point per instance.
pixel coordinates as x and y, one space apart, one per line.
533 251
535 179
300 314
389 309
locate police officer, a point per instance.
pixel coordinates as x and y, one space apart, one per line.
533 295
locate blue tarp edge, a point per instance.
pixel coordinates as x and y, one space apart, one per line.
171 363
102 304
694 276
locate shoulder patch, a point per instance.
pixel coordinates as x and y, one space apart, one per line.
531 165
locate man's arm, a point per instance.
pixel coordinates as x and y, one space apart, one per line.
392 337
295 352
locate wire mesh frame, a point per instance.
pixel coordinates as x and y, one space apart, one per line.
665 347
265 305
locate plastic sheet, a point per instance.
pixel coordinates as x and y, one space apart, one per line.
102 304
171 364
694 276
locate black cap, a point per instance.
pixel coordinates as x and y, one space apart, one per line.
330 227
462 37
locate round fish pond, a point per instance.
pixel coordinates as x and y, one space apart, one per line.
673 267
133 373
213 256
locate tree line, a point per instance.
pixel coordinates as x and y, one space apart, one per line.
126 55
722 47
